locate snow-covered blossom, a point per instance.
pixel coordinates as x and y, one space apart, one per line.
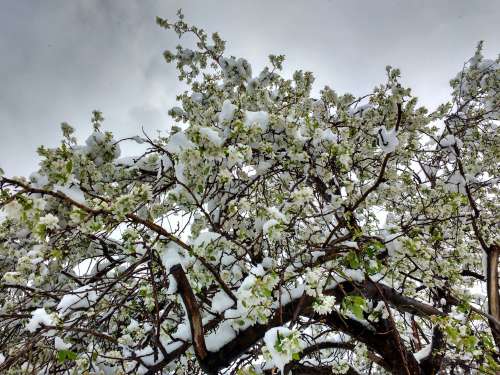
260 118
324 305
268 202
227 111
13 209
282 344
50 221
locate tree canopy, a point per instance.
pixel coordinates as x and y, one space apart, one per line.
270 230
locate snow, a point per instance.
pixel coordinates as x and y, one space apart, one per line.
38 180
220 337
227 112
227 259
267 263
177 111
173 345
197 97
456 183
354 275
328 135
235 69
80 298
268 225
484 262
392 243
262 167
290 295
205 238
351 244
166 162
39 317
260 118
448 141
276 213
183 332
178 142
2 358
316 254
170 257
147 356
358 110
247 283
221 302
423 353
239 313
126 161
95 138
179 172
71 192
97 146
258 270
59 344
387 139
279 359
138 140
212 135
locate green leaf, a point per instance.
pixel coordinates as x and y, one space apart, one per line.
352 260
69 166
279 343
355 304
267 292
66 355
357 311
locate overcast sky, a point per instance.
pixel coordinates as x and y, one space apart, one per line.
61 59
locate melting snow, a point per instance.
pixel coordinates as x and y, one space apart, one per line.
387 139
39 317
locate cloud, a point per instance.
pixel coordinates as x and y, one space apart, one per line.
61 59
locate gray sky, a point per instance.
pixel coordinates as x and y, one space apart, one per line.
61 59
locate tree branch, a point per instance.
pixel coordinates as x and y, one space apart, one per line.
492 289
193 312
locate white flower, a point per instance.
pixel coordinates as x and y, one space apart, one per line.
234 156
303 195
13 210
324 305
11 277
39 204
281 344
50 221
340 368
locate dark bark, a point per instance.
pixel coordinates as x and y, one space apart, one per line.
300 369
432 363
493 293
382 338
193 312
382 341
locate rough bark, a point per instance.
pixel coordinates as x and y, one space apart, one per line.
493 293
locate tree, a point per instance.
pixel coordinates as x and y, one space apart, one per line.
269 230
